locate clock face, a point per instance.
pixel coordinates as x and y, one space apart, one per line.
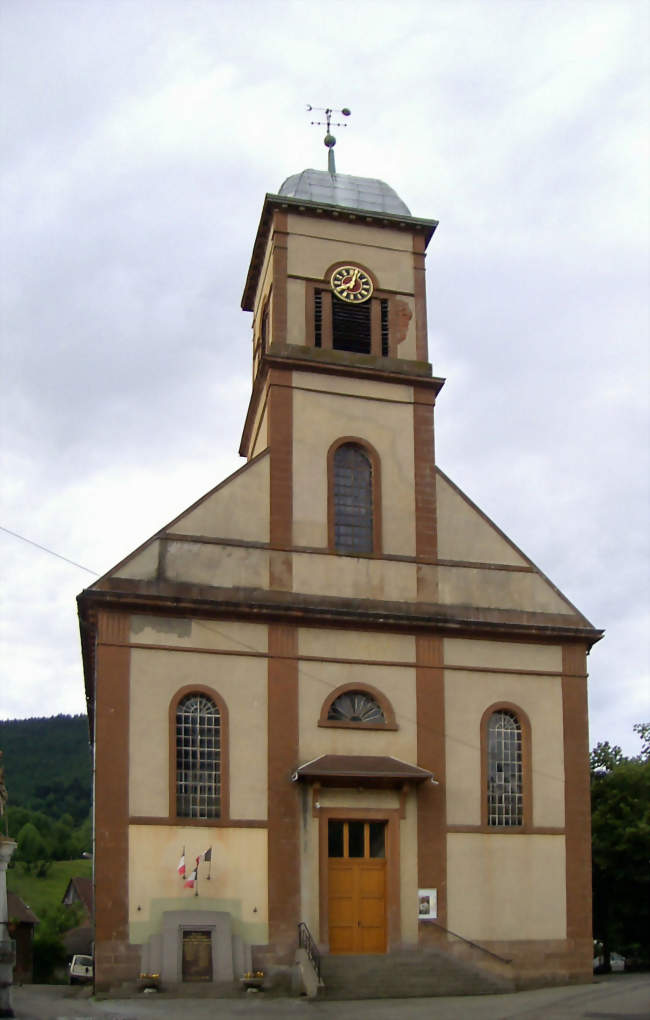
351 284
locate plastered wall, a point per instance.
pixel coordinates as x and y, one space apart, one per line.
469 693
260 431
506 887
237 884
499 589
409 872
213 517
264 280
142 565
354 577
387 425
240 680
318 680
464 534
315 244
296 313
227 566
364 646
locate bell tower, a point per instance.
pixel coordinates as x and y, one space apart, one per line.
318 226
336 286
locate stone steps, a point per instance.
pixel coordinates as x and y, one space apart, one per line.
418 973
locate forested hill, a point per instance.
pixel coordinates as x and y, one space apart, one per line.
47 764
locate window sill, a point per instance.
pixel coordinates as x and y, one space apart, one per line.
511 830
199 823
334 724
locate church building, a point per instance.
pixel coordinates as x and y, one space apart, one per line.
332 704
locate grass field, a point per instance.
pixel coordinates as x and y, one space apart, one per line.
39 893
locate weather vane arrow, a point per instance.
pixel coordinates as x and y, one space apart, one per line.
329 140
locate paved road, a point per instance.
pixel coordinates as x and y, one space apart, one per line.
617 997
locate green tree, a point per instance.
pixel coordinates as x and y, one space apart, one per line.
47 763
49 949
620 821
49 957
62 842
57 919
31 846
82 838
16 818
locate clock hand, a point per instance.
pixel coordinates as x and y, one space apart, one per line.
352 281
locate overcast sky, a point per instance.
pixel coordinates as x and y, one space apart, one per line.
138 140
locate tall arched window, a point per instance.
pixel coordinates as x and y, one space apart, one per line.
353 499
505 792
198 757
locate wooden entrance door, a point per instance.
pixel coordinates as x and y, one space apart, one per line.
357 886
197 956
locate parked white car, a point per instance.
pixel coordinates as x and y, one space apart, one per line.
80 970
616 962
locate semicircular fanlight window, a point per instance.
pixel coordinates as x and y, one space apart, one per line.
355 707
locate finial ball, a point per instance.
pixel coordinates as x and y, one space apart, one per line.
346 112
329 141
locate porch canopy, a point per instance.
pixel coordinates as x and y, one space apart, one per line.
361 770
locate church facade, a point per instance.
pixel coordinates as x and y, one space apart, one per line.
332 693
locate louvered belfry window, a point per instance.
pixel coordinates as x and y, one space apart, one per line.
198 758
318 318
505 770
350 326
353 510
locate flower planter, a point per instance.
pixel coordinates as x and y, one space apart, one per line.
252 981
149 982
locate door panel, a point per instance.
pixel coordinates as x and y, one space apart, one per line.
342 916
357 906
372 907
357 886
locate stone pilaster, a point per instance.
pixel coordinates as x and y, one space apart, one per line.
7 945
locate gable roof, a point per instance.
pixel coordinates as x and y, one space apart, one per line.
80 890
18 911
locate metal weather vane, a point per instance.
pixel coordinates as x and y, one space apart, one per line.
329 140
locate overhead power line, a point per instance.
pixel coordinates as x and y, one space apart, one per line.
50 551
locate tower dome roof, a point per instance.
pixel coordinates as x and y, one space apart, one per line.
365 193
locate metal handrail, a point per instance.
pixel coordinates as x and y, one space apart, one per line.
475 945
306 942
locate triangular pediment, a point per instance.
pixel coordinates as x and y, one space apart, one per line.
480 566
218 554
233 514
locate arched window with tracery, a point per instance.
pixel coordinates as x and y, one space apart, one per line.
198 757
357 706
505 779
353 489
